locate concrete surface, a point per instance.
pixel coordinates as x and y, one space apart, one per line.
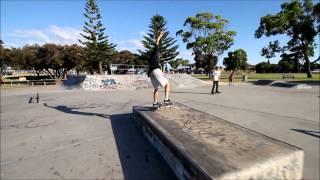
212 148
88 134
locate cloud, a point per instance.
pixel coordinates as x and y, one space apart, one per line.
30 34
131 45
52 34
10 45
66 33
136 43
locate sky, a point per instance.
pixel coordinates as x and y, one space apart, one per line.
126 21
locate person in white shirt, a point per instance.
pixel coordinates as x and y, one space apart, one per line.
215 77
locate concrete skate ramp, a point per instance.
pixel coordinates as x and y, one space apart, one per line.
143 81
263 82
185 81
282 84
95 82
200 146
73 81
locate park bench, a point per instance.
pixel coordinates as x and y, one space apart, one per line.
196 145
287 76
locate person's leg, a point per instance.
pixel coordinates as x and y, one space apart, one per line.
217 86
167 101
213 85
155 96
166 91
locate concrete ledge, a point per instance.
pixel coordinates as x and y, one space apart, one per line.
201 146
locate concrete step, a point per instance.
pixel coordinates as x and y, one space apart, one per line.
199 146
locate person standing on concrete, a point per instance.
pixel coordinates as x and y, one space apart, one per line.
215 77
157 76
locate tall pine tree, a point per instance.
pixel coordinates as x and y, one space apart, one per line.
97 47
168 51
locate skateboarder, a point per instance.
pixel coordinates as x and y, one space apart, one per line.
157 76
215 78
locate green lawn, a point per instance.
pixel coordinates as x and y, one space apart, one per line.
256 76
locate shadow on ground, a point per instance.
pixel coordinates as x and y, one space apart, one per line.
308 132
72 110
139 160
73 81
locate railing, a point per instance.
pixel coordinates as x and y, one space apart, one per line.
32 82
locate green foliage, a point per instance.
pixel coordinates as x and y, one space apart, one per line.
55 60
177 62
127 57
263 67
98 50
168 49
207 37
273 47
73 57
236 60
4 58
282 67
294 60
300 22
285 66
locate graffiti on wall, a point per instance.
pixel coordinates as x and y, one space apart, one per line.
98 82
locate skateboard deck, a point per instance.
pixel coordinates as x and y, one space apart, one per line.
160 106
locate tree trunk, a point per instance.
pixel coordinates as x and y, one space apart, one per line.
100 67
49 73
65 72
309 73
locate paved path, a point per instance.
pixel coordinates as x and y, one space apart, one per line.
81 134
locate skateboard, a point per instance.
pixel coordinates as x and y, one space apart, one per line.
159 106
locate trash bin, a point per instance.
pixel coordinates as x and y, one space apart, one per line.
245 77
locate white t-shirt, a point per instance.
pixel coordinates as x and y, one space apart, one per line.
216 74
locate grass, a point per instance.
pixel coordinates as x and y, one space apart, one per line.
257 76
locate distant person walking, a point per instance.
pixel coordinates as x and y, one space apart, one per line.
215 78
157 76
231 78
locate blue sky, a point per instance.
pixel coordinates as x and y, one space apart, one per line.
57 21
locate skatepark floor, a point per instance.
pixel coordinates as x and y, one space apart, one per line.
77 134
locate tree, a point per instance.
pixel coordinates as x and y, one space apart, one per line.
235 60
72 58
51 60
29 56
298 21
271 49
177 62
263 67
16 60
285 66
123 57
207 36
294 59
98 50
4 58
168 49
